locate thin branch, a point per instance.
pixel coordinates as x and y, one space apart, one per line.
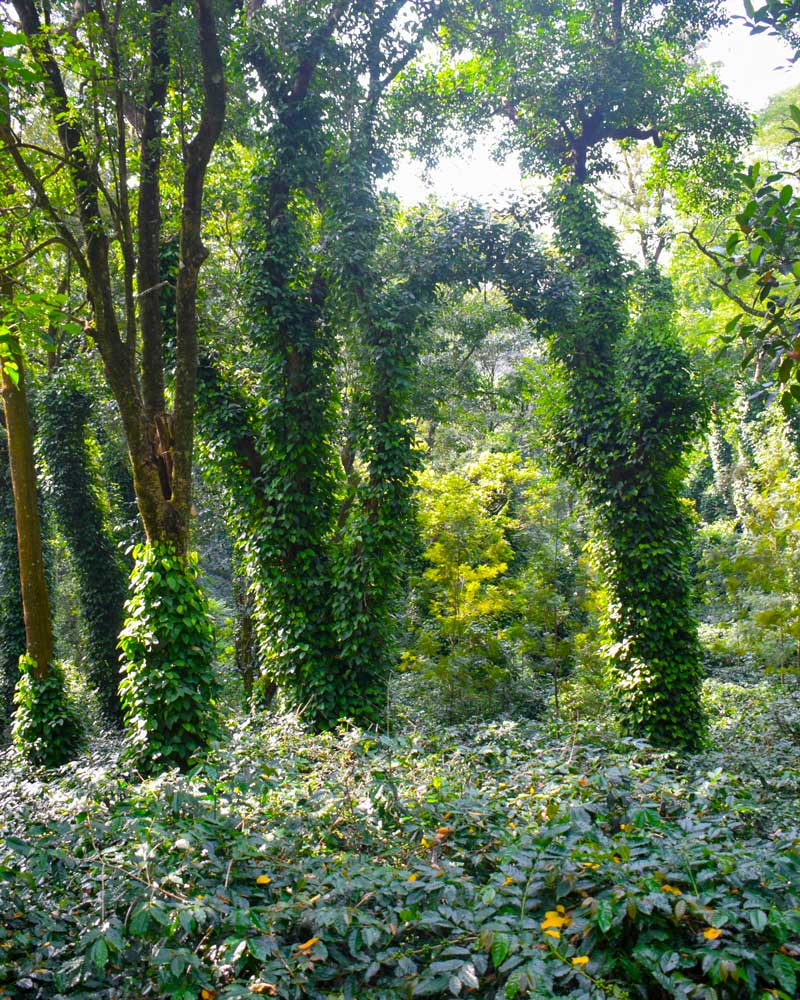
41 198
32 253
725 289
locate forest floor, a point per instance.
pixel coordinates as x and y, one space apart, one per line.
504 860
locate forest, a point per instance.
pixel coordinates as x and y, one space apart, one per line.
397 598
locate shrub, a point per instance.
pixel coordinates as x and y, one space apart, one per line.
167 645
45 729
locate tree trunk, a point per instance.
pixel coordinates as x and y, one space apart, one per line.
35 598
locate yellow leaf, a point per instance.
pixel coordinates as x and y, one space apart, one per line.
508 880
268 989
553 934
307 945
207 994
712 933
580 960
671 888
413 877
263 880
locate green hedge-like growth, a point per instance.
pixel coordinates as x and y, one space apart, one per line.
167 645
74 493
46 729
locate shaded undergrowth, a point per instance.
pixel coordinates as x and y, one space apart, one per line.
515 860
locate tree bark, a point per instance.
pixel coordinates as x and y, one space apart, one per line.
35 598
159 443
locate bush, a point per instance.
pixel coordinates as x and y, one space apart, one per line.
167 645
45 729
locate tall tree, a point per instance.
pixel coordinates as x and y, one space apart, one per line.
75 496
44 727
589 75
107 133
323 481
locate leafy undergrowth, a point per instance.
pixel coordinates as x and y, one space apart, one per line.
507 862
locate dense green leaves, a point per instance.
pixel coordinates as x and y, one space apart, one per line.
46 728
630 411
72 488
167 645
760 264
12 625
433 865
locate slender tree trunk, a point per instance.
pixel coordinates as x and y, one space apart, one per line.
35 598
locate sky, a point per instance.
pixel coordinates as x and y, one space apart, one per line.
753 67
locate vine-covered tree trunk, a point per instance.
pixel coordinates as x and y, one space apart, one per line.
629 414
12 624
44 727
74 496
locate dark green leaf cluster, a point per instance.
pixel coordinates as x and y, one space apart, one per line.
760 262
72 489
46 728
167 646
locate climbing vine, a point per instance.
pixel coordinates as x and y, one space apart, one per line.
46 728
75 497
167 645
326 523
629 412
12 625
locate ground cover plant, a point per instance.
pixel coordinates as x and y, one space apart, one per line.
521 860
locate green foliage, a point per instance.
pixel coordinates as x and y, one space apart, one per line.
494 608
324 525
464 593
72 488
780 16
167 645
760 267
46 728
568 79
752 563
343 865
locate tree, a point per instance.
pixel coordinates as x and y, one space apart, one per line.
588 76
76 498
12 624
320 482
100 132
44 728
